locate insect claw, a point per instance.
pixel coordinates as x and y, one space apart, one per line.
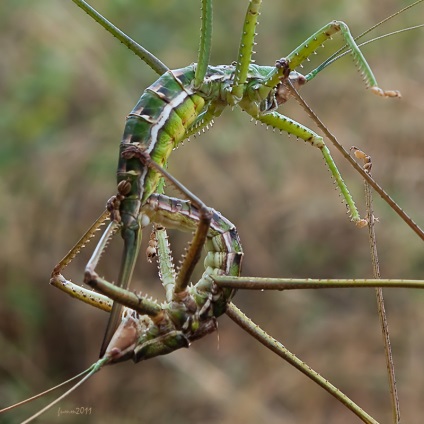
385 93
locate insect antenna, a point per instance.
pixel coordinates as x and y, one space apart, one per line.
339 54
86 374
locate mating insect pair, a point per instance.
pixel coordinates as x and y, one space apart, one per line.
178 105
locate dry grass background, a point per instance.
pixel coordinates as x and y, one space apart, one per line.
66 87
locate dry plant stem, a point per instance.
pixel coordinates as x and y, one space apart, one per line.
378 290
385 196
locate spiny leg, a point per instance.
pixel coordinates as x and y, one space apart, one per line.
280 76
296 57
282 123
265 112
278 348
204 44
161 250
244 57
149 58
316 40
58 280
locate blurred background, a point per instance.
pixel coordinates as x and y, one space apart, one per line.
65 89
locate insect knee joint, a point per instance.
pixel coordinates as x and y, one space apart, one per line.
317 141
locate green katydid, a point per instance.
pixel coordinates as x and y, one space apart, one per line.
184 101
270 97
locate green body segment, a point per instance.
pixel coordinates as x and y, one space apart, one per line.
156 125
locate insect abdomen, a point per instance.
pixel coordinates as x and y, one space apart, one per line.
159 122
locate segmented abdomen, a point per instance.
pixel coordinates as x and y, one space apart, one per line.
157 124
